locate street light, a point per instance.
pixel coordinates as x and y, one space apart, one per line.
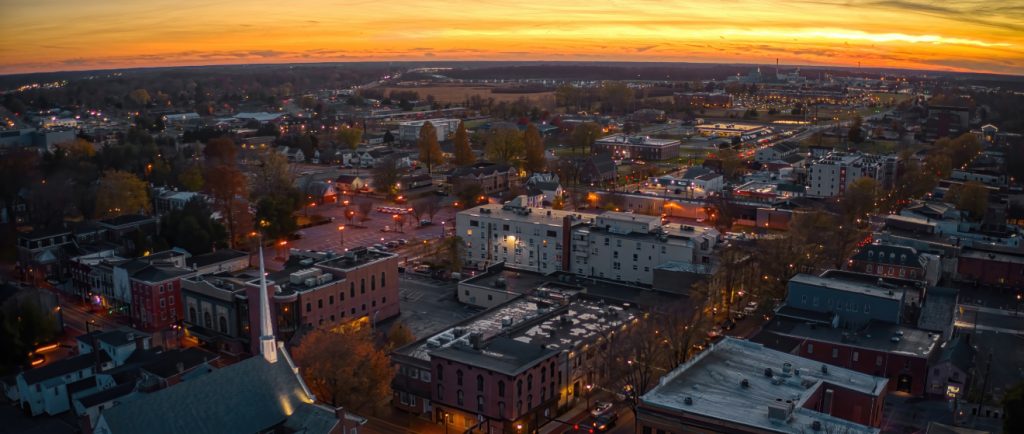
589 386
341 232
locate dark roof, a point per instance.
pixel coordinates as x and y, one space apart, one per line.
126 219
107 395
479 169
793 158
214 257
63 367
166 364
80 385
155 273
43 233
118 337
795 188
500 354
805 315
250 396
347 179
959 353
890 254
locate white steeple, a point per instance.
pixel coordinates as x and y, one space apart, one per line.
268 344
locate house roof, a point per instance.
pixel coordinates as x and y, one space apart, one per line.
155 273
167 364
250 396
125 220
107 395
63 367
500 354
116 338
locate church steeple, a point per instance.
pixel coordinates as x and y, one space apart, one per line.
268 343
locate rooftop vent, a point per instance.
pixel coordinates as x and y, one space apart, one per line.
688 400
768 372
816 425
744 383
787 368
824 369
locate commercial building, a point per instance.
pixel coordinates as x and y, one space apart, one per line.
738 386
699 100
519 364
743 131
998 268
156 296
832 174
857 325
409 132
776 152
896 261
622 146
492 178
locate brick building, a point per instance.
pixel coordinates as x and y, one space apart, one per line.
156 296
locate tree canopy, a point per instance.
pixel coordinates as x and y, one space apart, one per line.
534 159
345 369
193 228
463 155
121 193
430 149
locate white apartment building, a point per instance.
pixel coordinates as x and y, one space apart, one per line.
524 238
831 175
627 247
617 246
409 132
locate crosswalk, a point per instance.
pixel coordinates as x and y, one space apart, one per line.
410 294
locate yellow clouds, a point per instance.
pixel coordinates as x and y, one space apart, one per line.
69 34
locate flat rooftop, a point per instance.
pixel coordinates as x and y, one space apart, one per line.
535 215
876 336
849 286
500 354
712 381
630 140
582 320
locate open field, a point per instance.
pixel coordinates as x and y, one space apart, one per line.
458 94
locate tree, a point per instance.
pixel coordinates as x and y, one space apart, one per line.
273 176
121 193
365 207
971 197
191 178
534 160
193 228
616 97
350 137
504 145
860 199
430 149
419 207
346 369
584 136
227 186
399 335
468 193
855 134
140 97
386 175
449 253
732 164
1013 409
221 150
276 215
432 208
463 152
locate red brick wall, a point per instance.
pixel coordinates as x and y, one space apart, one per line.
893 366
146 298
990 272
363 291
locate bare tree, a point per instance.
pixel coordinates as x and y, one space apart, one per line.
365 207
432 208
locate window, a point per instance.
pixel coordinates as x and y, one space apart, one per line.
529 382
519 387
341 296
425 376
383 279
501 388
458 377
479 403
501 408
207 320
364 307
856 356
810 348
867 308
383 300
474 223
192 315
440 391
223 324
320 304
440 373
309 307
362 286
163 303
878 361
373 283
479 383
330 300
352 289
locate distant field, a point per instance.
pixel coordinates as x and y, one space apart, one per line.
459 94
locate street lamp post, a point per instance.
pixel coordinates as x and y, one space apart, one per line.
341 233
588 387
442 228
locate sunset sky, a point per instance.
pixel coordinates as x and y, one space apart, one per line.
966 35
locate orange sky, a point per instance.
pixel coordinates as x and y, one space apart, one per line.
971 35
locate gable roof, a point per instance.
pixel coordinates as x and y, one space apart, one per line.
959 353
250 396
63 367
222 255
890 254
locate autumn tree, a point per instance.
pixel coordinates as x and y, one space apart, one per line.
221 150
140 97
227 186
191 178
399 335
273 176
463 152
860 199
449 253
971 197
432 208
584 136
350 137
855 134
345 369
534 159
732 164
365 207
121 193
430 149
504 146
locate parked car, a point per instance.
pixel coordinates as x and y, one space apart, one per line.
750 308
605 422
728 325
391 244
402 241
600 408
379 247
